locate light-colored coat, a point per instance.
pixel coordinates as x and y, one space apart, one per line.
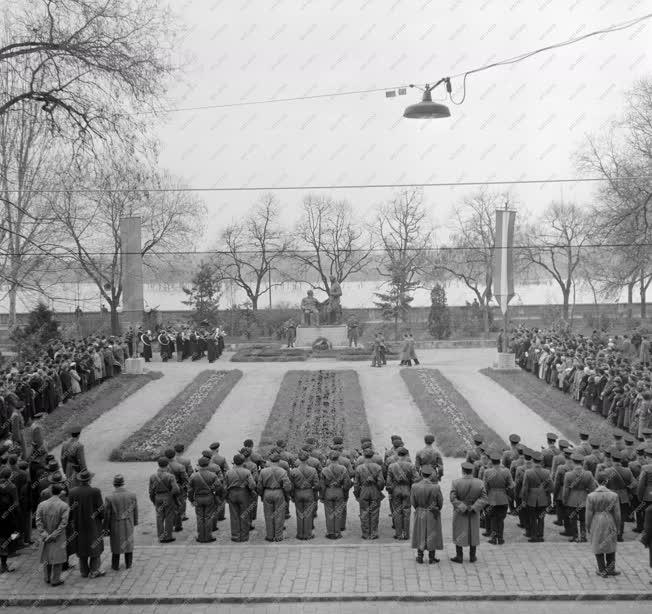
427 501
51 522
469 497
120 518
603 519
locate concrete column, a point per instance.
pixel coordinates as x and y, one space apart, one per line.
132 271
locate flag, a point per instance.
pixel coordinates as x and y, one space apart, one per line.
504 258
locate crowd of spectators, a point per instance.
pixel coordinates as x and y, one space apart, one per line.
610 376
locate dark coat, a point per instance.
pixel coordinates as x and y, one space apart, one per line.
469 497
87 517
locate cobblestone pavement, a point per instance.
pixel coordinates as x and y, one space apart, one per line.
276 572
359 607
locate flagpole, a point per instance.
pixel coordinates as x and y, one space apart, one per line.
505 318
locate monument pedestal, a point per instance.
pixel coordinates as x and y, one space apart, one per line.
335 333
135 366
506 361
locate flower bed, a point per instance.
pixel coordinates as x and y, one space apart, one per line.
320 404
558 409
89 406
447 413
181 420
267 353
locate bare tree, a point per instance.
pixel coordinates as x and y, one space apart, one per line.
405 234
329 241
556 245
253 247
622 155
170 219
91 65
471 259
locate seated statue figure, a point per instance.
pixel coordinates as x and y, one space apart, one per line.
310 310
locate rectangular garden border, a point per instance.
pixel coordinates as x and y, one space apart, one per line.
181 420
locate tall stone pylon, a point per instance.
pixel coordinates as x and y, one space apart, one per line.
132 272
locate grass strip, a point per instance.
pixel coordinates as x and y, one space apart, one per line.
181 420
320 404
447 413
558 409
88 406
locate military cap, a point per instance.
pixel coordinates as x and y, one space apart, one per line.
640 448
578 458
163 462
646 432
617 455
338 440
402 452
238 459
648 451
514 438
568 452
53 465
426 470
214 446
584 434
495 456
467 466
334 455
179 447
594 442
477 438
38 416
520 448
537 457
249 443
303 455
280 443
393 437
368 452
207 454
618 436
563 444
169 453
551 436
274 457
429 438
75 429
367 445
629 439
362 440
527 453
203 462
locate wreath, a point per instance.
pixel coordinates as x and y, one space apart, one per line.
321 343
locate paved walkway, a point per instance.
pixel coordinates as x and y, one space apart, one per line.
277 572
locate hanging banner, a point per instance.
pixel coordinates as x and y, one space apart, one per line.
504 258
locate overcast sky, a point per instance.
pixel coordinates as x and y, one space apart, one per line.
521 121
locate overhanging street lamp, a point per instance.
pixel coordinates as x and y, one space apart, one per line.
427 109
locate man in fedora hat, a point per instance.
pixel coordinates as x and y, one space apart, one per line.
73 459
87 516
120 518
51 522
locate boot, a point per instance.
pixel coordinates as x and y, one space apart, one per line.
459 555
431 557
129 557
115 562
472 556
419 556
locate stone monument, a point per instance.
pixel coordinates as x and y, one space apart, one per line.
311 329
132 281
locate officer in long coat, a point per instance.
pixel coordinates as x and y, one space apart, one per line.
401 474
204 489
427 500
274 488
602 522
469 497
163 493
87 516
334 484
500 490
51 522
368 491
120 518
305 485
73 459
578 483
620 480
241 493
644 489
535 495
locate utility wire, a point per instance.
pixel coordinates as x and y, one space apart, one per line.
360 186
519 58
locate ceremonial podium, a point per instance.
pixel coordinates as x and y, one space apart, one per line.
335 333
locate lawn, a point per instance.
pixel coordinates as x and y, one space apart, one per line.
447 413
181 420
89 406
557 408
320 404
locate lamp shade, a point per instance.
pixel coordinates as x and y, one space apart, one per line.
426 109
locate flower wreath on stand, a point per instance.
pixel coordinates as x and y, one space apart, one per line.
321 343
